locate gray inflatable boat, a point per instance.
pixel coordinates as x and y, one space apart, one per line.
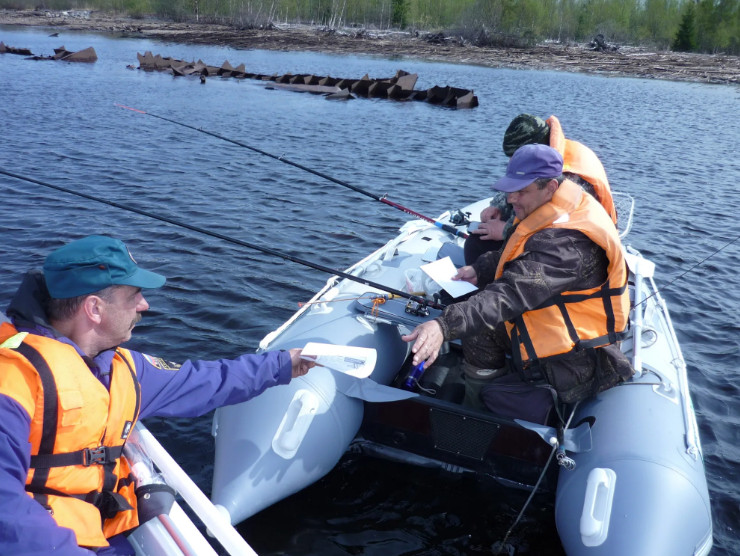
631 476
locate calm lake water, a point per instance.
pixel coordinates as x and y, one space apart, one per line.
673 146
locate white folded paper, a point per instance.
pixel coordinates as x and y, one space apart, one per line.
442 271
351 360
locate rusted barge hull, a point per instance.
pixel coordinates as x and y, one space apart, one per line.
399 87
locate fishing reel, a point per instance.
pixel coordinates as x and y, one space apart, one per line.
459 218
417 308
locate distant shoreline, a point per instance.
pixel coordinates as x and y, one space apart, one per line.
625 61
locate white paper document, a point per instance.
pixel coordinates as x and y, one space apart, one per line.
354 361
442 271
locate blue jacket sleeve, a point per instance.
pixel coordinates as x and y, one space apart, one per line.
26 528
197 387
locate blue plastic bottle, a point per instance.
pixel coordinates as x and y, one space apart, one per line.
414 376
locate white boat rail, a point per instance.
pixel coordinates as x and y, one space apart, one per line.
693 442
175 534
644 270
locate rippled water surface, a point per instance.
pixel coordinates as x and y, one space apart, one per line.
673 146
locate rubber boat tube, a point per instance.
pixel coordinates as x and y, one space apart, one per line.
638 491
290 436
641 489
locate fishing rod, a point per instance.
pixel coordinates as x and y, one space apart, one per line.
418 299
382 198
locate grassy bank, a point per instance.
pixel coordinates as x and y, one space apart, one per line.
709 26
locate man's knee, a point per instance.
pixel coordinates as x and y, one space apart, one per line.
486 351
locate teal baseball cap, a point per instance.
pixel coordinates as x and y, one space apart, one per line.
93 263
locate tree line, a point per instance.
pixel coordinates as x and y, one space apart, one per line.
687 25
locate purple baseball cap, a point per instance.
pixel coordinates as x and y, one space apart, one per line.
527 164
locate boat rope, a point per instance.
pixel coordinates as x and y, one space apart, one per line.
382 198
417 299
498 546
684 273
377 302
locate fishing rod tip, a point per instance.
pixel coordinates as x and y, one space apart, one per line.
128 108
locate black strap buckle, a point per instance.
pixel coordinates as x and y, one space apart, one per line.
97 456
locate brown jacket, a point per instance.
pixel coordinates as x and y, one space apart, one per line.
554 261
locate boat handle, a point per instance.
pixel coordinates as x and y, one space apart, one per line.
295 423
597 506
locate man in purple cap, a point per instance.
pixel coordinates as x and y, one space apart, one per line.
552 303
581 165
70 395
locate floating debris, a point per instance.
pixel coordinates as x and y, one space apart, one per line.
399 87
87 55
5 49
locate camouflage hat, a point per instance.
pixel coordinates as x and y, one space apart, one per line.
525 129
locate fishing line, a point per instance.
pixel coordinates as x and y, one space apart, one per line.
316 266
382 198
498 546
677 278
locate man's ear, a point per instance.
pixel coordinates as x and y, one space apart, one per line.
552 186
93 308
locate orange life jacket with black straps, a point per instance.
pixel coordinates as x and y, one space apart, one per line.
579 159
572 320
78 429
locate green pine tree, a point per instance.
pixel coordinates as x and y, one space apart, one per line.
685 39
399 16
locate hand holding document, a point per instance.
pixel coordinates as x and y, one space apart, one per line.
355 361
442 271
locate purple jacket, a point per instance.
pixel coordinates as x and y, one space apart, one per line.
193 389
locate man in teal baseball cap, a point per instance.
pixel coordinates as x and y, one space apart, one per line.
70 395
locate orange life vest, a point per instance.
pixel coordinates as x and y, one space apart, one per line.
78 430
579 159
575 319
